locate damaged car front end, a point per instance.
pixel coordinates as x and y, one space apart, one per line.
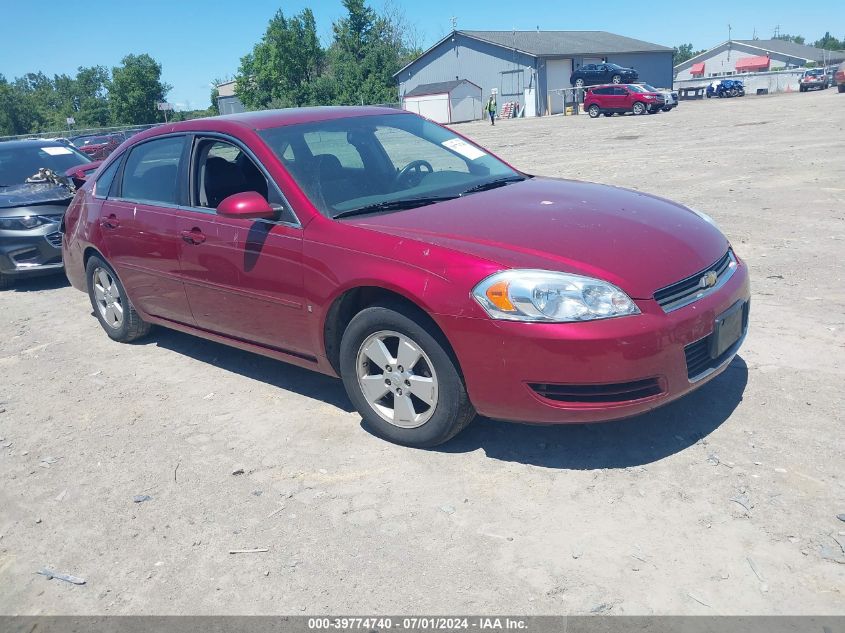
38 180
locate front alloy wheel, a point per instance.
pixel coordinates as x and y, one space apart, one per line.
617 79
579 83
639 108
399 374
397 378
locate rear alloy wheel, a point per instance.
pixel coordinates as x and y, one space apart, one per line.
594 111
617 79
579 83
638 108
111 306
401 378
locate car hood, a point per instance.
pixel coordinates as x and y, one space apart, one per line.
27 195
637 241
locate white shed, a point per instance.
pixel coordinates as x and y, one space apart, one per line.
445 102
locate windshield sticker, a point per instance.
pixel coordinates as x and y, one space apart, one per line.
463 148
56 151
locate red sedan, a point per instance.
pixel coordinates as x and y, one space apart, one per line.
433 278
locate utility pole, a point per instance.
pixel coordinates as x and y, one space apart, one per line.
729 42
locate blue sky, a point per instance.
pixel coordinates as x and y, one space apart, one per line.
196 41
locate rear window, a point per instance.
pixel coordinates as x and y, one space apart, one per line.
152 169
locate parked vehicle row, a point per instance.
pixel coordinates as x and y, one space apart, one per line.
435 279
623 98
35 190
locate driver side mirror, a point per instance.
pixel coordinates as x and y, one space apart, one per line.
246 205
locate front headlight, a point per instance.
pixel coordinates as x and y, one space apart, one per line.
545 296
21 223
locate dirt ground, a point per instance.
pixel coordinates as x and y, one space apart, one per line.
722 503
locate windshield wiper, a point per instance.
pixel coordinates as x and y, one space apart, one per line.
393 205
492 184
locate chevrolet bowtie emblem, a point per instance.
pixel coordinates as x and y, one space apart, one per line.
708 280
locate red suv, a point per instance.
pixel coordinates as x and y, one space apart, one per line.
433 278
621 98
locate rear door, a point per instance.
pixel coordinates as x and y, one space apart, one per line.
622 100
140 228
243 277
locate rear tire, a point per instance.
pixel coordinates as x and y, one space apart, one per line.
594 111
111 305
579 83
383 397
617 79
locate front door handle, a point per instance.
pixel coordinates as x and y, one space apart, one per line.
194 236
110 222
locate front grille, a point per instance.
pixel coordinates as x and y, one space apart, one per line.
687 290
614 392
55 239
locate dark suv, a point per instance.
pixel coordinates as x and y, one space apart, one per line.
593 74
612 99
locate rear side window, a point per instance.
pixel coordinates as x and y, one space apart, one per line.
103 184
152 170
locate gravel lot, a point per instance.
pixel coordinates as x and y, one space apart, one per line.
722 503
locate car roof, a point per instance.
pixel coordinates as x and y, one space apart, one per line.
263 120
31 142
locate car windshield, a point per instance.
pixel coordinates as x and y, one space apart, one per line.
19 163
814 73
382 163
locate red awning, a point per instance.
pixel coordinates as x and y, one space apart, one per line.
761 62
697 69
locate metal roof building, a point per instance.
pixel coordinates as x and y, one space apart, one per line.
531 67
740 56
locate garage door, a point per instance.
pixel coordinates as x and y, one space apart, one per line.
434 107
558 72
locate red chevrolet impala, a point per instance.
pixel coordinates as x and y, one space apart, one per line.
436 280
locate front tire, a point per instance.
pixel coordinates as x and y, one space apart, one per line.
638 108
617 79
594 111
111 305
579 83
402 380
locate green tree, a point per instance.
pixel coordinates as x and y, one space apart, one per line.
135 89
798 39
367 49
283 65
684 52
830 43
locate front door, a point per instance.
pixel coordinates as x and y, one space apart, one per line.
139 227
243 277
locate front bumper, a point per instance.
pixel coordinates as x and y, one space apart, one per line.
512 368
30 253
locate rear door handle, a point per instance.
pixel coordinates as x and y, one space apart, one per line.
194 236
110 222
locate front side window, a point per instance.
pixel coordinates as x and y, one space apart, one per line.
357 163
152 171
222 169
